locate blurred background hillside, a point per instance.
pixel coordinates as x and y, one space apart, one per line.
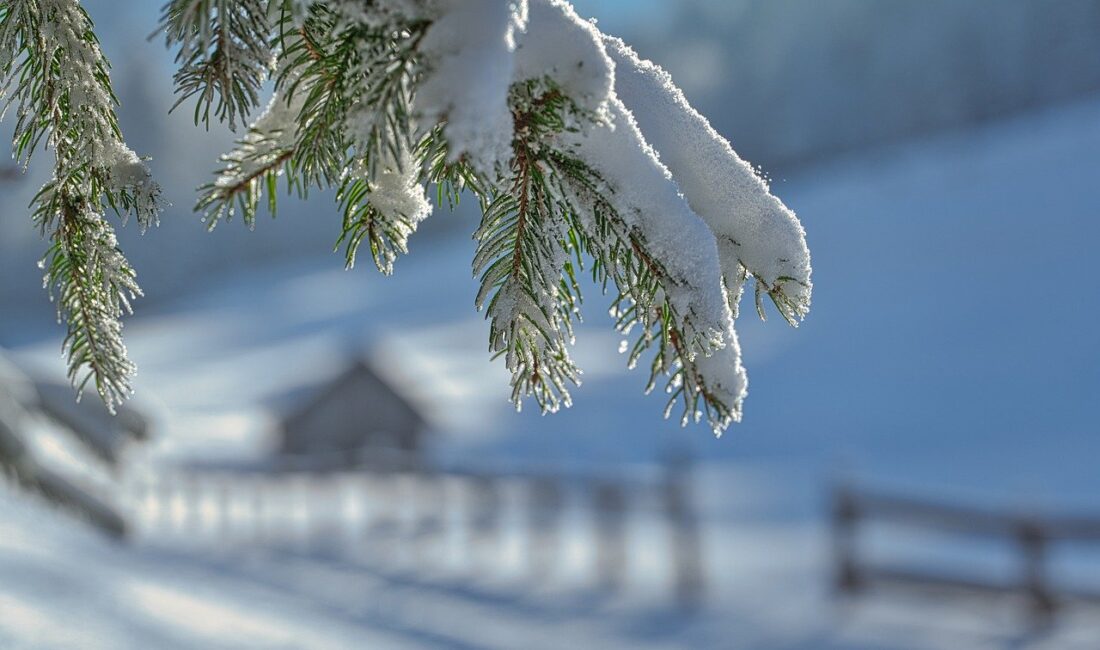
944 157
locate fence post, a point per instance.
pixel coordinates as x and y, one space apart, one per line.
257 510
324 507
223 509
610 501
545 509
845 519
175 504
484 525
687 543
191 490
431 510
298 526
1032 541
383 493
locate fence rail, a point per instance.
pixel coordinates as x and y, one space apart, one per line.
430 511
1032 537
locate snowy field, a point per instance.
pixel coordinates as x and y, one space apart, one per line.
951 350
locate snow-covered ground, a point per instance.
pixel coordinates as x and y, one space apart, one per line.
951 349
65 587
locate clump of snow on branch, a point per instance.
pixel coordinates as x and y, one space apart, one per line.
561 45
396 192
383 206
655 213
128 174
469 48
755 231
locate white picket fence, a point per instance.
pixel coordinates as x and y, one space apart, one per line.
611 531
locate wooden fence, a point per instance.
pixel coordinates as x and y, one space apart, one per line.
425 511
1033 538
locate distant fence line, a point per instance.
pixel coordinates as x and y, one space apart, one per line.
419 508
1032 537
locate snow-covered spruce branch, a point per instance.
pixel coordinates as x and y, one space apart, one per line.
523 257
224 54
712 178
703 384
583 157
56 77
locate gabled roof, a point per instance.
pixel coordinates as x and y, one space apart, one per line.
318 397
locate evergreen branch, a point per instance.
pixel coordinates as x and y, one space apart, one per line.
622 257
250 172
317 73
523 261
55 73
384 212
449 177
344 116
791 308
224 54
93 285
317 126
357 79
385 238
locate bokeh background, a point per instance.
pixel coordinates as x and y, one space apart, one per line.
944 157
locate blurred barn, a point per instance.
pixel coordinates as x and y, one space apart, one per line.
356 416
